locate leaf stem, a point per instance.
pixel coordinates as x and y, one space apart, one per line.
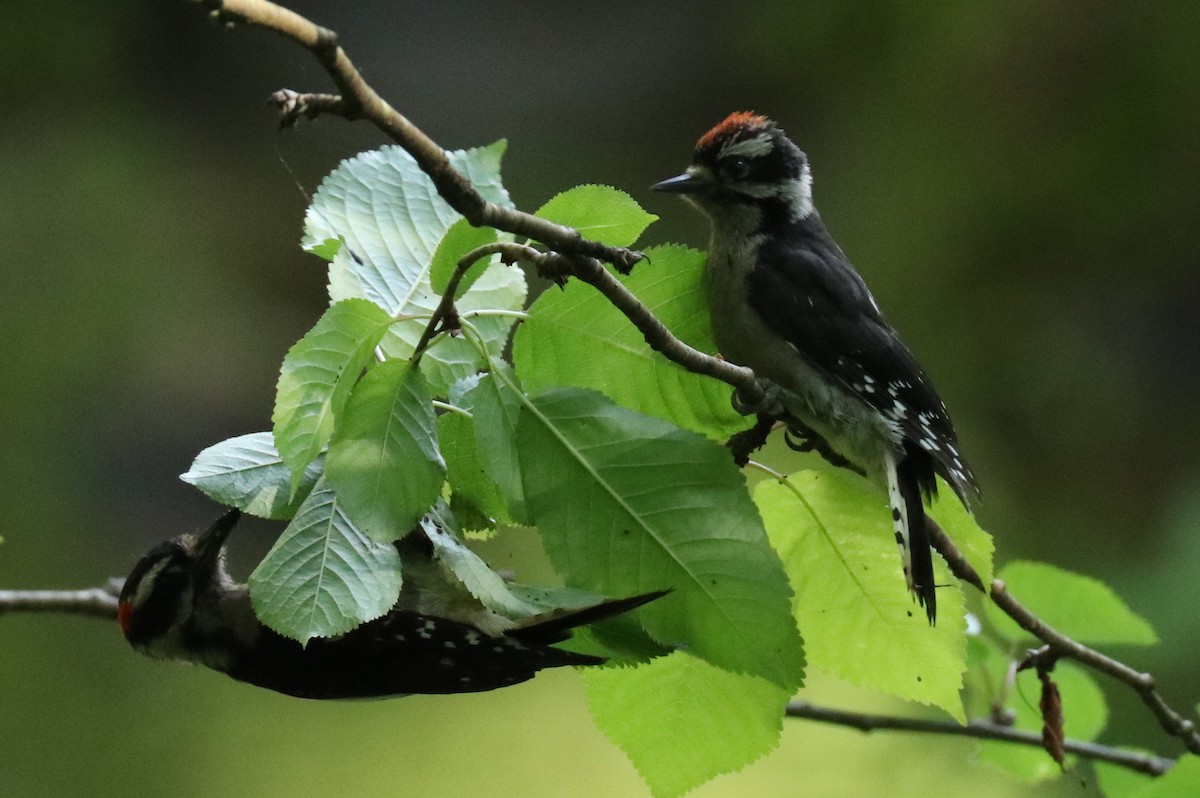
450 408
499 313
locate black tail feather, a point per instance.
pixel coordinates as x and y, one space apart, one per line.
909 475
555 627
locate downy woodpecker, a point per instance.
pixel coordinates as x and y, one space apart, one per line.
787 304
181 603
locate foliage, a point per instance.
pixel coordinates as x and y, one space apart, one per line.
614 454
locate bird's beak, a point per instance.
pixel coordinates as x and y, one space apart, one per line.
211 540
686 183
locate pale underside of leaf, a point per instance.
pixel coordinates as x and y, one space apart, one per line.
247 472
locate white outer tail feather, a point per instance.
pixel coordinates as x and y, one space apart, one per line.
900 520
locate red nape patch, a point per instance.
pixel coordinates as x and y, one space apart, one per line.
736 121
124 613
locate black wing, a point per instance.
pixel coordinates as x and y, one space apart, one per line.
399 654
806 289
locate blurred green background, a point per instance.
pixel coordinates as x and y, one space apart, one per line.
1019 182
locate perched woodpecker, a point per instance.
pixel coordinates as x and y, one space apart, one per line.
181 603
787 304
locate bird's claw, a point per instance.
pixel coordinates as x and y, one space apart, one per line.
761 398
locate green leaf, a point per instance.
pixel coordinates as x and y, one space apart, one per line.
1076 605
327 249
392 222
683 721
391 218
324 577
1085 714
834 534
496 406
247 472
601 213
466 468
316 377
975 544
469 568
1181 780
628 504
452 358
984 685
461 238
1116 781
575 337
383 461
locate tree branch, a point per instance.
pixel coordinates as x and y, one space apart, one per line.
1060 645
657 336
556 267
359 101
979 729
96 602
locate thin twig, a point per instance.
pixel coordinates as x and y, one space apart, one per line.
293 105
981 729
445 311
1142 683
97 602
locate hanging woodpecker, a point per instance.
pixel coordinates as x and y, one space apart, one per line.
181 603
787 304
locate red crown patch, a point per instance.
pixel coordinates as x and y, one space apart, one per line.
730 125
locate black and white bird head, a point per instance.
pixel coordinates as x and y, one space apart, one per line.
746 162
158 600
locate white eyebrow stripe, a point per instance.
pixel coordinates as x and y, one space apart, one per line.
146 586
750 148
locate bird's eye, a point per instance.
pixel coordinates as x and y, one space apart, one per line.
735 169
